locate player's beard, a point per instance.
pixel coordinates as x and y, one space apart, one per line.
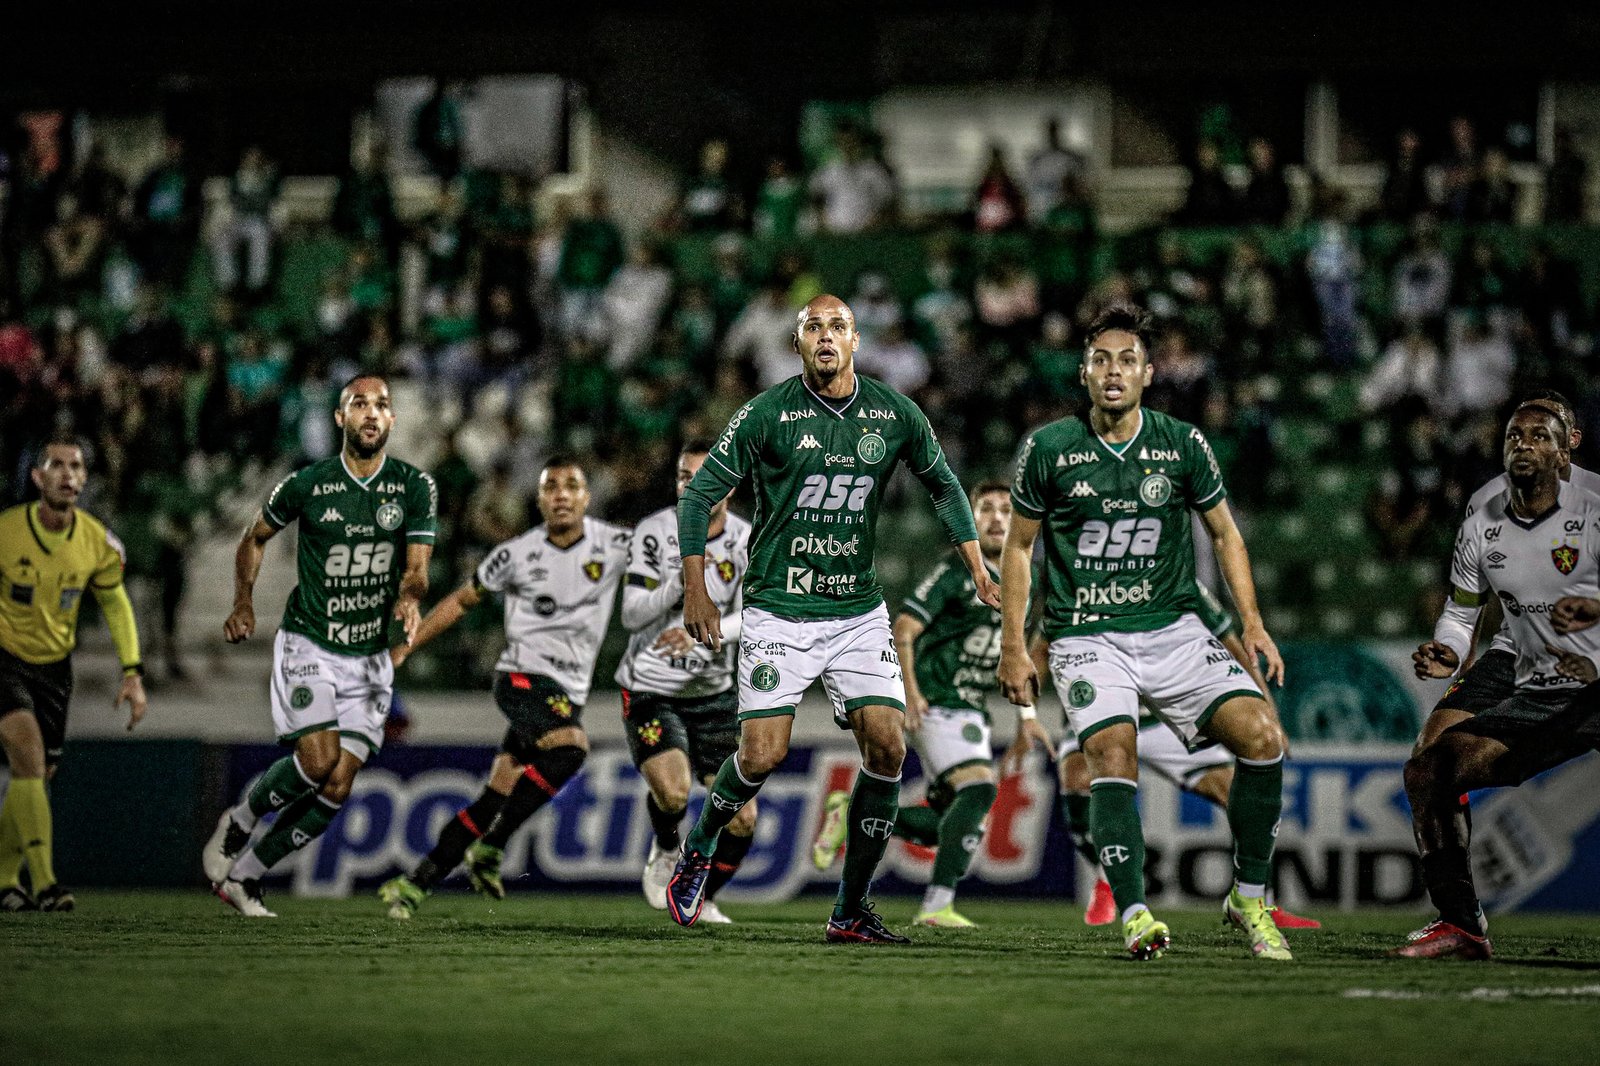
354 445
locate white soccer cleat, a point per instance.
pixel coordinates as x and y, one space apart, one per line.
224 845
712 914
657 873
244 897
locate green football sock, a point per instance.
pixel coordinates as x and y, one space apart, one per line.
1254 805
961 831
918 824
300 823
873 806
1114 827
1075 813
730 791
281 785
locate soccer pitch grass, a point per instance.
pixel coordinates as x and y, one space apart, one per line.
177 978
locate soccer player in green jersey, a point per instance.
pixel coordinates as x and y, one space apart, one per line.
366 531
949 643
1113 491
819 448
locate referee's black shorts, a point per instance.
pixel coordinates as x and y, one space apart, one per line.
45 690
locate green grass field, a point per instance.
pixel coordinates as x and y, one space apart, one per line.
176 978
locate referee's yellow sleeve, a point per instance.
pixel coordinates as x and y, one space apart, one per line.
118 609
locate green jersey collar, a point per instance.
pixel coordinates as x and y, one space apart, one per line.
1119 450
351 474
836 412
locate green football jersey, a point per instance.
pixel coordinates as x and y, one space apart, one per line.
352 551
819 473
957 653
1213 615
1119 555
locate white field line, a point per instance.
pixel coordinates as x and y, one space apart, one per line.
1491 995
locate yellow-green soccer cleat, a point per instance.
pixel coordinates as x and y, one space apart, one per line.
835 827
403 896
1145 937
1253 917
944 918
483 869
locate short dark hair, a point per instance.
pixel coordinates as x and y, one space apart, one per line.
696 446
348 385
1124 316
1552 401
61 438
983 488
560 459
1551 411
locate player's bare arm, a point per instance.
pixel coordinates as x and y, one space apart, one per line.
700 615
984 585
1434 661
446 613
907 628
1233 559
1573 614
1019 679
413 586
1573 665
241 623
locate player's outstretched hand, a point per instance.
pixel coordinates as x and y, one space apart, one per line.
1572 614
241 624
1030 733
409 614
1571 664
1261 647
674 642
1019 680
1434 661
916 707
701 618
132 691
988 590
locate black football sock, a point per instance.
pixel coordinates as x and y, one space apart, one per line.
731 851
665 824
457 836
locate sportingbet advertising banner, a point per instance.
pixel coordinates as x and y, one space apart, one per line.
1345 838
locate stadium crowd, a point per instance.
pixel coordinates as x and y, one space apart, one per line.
192 343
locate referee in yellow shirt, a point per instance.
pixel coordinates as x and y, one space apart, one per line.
50 552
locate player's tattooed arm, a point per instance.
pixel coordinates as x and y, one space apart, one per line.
1233 559
1019 680
907 628
1572 614
446 613
413 586
241 622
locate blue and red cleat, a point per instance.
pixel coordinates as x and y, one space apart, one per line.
864 927
686 892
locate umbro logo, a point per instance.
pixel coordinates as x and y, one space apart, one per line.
332 515
1081 490
1496 560
807 441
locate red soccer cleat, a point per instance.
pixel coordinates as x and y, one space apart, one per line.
1102 908
1285 920
1441 940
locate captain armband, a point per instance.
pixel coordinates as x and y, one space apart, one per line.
1462 598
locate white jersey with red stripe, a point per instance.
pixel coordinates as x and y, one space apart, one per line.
1587 480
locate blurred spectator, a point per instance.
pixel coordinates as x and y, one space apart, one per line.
938 313
1491 195
1566 181
584 401
778 203
709 202
1406 375
1477 371
1266 198
997 203
256 376
895 359
875 306
99 189
1552 299
507 235
150 337
247 231
1458 168
1482 282
436 130
1052 387
1405 186
1210 201
1007 299
1183 378
1048 169
1334 267
495 512
760 337
76 249
363 204
1250 301
635 299
1066 244
1420 290
1411 495
853 190
166 216
446 249
509 334
730 281
591 251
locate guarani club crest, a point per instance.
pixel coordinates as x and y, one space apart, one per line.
1155 490
1565 557
871 448
390 515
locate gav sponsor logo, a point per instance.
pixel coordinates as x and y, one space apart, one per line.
832 546
1113 595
